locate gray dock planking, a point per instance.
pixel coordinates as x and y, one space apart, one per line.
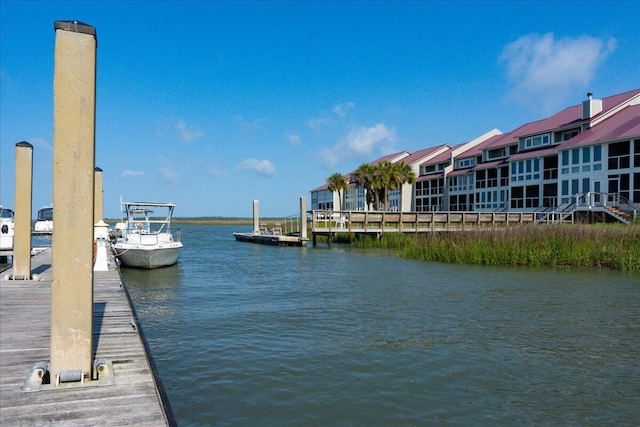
270 239
25 327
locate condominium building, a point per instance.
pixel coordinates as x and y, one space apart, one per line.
585 156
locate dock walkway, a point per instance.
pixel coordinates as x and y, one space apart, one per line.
377 222
25 327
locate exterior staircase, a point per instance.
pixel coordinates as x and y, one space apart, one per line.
622 216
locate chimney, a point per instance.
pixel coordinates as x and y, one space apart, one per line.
591 107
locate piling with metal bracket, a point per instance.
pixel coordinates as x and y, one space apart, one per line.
74 90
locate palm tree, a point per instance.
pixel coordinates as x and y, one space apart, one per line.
401 173
364 176
337 182
383 181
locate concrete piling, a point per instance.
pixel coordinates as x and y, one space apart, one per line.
73 197
256 218
22 212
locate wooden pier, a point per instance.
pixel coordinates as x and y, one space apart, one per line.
270 239
136 396
330 223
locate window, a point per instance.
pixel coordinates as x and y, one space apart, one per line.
575 156
568 135
549 194
497 153
619 155
550 166
574 186
525 170
590 160
597 153
429 168
536 141
533 196
517 197
481 179
465 163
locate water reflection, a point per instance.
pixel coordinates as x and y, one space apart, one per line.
246 334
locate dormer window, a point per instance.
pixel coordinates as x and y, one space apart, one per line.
429 168
497 153
536 141
467 163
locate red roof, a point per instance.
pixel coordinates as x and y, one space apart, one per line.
431 175
489 165
572 115
625 124
457 172
533 153
419 155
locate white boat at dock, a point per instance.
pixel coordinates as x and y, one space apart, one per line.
44 221
143 241
6 231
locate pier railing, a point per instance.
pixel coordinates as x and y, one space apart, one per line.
331 222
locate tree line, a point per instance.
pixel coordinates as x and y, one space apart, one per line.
378 180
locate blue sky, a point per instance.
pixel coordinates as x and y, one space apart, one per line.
213 104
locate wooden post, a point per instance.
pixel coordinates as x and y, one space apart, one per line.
256 218
74 89
22 211
98 204
303 218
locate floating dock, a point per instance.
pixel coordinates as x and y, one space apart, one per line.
134 397
270 239
274 236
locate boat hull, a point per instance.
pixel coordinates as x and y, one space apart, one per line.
148 257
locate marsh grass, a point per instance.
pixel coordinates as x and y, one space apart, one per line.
603 246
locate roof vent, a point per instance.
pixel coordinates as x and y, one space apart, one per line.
591 107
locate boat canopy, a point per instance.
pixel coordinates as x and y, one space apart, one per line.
45 214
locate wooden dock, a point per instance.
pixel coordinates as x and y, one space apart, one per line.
330 223
136 397
270 239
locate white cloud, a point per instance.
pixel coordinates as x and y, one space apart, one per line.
247 125
317 123
127 173
545 70
341 109
293 139
261 167
361 142
168 174
166 171
177 128
187 134
217 172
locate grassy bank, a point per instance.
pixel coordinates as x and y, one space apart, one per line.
608 246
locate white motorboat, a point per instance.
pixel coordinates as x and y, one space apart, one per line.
6 230
44 221
144 241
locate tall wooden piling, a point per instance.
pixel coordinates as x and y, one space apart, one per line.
22 211
256 218
98 204
74 91
303 218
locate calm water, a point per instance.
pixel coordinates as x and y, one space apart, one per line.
249 335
